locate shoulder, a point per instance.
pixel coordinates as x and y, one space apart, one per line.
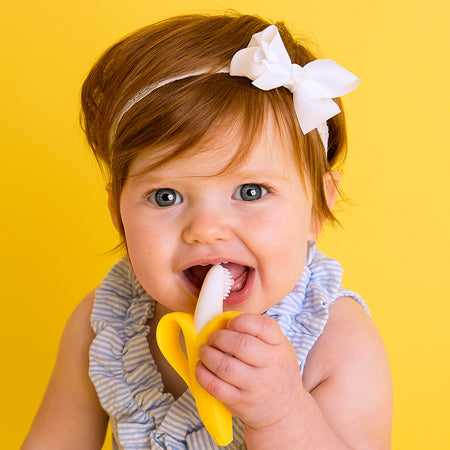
350 341
72 363
349 332
70 406
348 373
78 334
78 324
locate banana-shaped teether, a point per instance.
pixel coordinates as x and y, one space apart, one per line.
196 329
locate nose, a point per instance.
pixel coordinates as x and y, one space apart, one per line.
207 224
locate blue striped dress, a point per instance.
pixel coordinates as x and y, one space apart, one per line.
128 383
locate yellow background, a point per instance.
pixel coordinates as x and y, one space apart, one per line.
55 228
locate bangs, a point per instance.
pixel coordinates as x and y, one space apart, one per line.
199 112
195 114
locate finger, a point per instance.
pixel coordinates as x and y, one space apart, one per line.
244 347
262 327
227 368
219 389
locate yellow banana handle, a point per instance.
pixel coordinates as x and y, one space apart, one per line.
214 414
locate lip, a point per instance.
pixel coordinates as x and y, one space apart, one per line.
234 298
211 261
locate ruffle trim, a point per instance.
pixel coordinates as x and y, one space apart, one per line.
126 378
303 313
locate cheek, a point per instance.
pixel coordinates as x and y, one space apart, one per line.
150 250
281 245
285 230
147 243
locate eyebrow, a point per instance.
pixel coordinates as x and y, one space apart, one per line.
259 175
251 175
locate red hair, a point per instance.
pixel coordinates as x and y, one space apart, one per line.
181 113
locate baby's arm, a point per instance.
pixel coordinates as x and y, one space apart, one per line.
354 388
70 416
344 400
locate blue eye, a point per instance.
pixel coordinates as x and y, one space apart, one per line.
249 192
164 197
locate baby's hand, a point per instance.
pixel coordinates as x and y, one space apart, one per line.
252 367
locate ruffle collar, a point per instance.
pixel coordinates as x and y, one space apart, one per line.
126 378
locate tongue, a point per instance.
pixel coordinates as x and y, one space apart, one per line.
239 274
236 270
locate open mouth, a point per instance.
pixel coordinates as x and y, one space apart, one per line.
242 275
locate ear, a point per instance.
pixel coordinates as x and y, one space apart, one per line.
331 182
112 210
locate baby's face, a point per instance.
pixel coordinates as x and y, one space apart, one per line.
182 217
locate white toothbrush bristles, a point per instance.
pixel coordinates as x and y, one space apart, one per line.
215 289
227 283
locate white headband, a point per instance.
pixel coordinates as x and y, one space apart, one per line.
266 62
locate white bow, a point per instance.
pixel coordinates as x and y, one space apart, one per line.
266 62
